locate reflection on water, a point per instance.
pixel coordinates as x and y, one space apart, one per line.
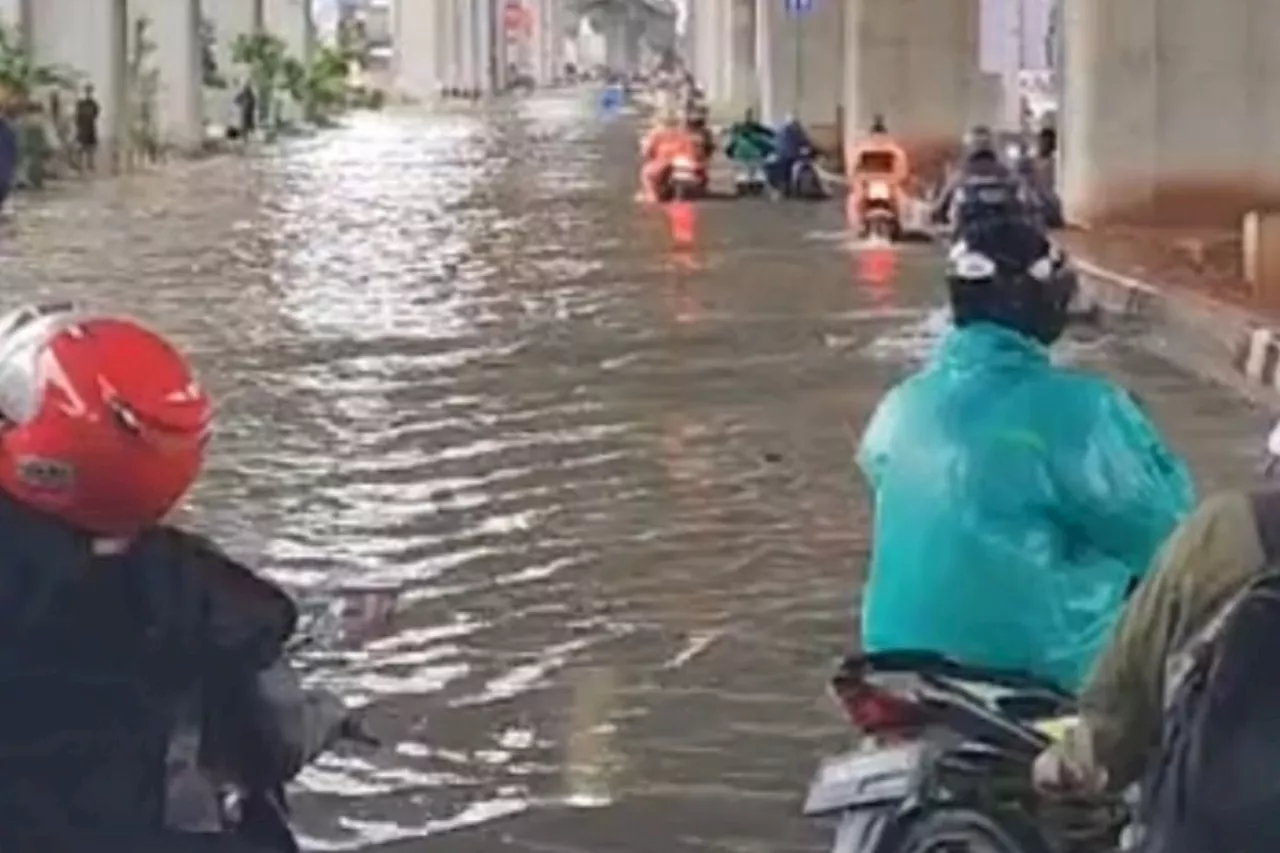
563 481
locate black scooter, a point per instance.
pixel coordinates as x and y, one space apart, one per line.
943 764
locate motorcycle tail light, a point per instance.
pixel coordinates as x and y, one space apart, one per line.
879 191
875 711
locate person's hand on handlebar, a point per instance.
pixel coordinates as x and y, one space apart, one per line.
1065 767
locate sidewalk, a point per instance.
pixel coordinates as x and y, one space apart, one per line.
1184 295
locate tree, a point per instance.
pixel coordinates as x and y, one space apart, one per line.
265 56
21 77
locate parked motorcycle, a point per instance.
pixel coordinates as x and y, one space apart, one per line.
943 764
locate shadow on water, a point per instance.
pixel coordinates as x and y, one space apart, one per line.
597 453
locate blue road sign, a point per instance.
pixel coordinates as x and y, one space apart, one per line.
799 7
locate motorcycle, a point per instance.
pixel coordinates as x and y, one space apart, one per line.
685 179
749 179
879 212
804 182
943 764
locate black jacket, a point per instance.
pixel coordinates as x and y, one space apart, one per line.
104 660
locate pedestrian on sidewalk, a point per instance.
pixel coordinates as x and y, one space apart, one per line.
247 103
87 114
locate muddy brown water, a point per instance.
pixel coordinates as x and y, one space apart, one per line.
599 454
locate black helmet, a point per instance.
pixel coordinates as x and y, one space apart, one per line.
1006 271
979 140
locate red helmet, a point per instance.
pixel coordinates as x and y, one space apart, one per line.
102 422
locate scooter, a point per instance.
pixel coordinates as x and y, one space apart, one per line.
878 215
943 763
685 179
749 179
804 182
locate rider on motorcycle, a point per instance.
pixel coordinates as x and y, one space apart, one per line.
1230 540
749 141
122 634
792 145
1014 500
660 148
878 159
983 186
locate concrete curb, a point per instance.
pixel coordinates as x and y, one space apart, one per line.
1218 341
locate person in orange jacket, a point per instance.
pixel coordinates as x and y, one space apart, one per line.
878 160
660 148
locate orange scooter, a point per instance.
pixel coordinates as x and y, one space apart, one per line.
878 177
675 165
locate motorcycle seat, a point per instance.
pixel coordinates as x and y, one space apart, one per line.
1014 694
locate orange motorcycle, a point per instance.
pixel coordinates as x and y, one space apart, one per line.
877 180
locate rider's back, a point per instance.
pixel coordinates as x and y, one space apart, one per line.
1014 503
97 653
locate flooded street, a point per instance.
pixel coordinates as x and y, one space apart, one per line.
600 452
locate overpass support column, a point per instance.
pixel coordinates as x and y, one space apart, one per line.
173 27
1169 113
15 17
917 63
621 43
419 41
468 80
800 58
712 49
291 22
547 41
486 47
231 19
96 47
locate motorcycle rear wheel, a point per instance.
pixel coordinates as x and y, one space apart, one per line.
963 830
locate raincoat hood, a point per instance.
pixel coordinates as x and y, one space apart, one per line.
1015 503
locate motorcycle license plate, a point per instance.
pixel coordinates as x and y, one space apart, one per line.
866 775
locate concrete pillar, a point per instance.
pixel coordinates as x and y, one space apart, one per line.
447 42
291 22
14 17
546 40
1169 112
486 48
231 19
711 49
468 39
800 59
95 47
615 43
419 60
915 62
173 27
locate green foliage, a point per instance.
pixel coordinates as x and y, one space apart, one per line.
22 78
266 57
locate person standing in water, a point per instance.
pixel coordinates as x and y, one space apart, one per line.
87 114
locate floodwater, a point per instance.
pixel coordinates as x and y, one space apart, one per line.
599 454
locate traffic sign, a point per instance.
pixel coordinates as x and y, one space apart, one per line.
799 7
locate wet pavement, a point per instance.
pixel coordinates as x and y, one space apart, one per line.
600 453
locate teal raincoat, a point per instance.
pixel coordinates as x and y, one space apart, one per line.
1015 502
